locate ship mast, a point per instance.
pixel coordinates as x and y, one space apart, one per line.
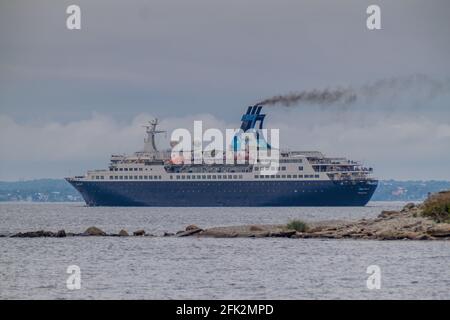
149 142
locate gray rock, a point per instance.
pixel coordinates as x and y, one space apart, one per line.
123 233
61 234
94 231
408 206
33 234
189 233
283 234
139 233
191 227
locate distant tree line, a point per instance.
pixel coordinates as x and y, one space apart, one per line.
58 190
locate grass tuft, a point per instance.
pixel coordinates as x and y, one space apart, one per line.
297 225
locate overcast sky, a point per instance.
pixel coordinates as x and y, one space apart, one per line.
68 99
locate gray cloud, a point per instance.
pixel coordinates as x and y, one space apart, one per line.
176 59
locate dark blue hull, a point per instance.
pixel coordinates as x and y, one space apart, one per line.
225 193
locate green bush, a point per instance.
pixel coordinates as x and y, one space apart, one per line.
297 225
437 207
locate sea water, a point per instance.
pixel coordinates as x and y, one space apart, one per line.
208 268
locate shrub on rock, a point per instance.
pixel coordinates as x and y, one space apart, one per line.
297 225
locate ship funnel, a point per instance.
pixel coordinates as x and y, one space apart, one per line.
249 121
251 117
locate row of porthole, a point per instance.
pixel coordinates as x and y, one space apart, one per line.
128 177
236 190
288 176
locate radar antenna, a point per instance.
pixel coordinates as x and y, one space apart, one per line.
149 142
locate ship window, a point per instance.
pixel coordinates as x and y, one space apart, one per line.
300 168
256 176
171 177
317 175
289 176
203 176
183 177
136 177
145 177
283 176
225 176
300 176
150 177
140 177
240 176
140 169
199 177
235 177
193 177
283 168
256 168
208 176
219 177
178 177
126 177
125 169
278 176
294 176
188 177
120 169
135 169
214 177
230 176
272 176
111 177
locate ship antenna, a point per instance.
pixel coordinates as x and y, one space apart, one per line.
149 142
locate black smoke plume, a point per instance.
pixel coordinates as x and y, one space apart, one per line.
416 88
320 97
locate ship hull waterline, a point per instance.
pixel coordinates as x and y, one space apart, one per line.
225 193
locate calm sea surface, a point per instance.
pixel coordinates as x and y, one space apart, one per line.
191 268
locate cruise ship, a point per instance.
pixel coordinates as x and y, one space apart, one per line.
151 177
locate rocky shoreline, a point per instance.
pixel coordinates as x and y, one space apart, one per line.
413 222
389 225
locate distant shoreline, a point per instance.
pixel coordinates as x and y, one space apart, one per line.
58 190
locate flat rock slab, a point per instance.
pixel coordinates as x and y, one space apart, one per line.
189 232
